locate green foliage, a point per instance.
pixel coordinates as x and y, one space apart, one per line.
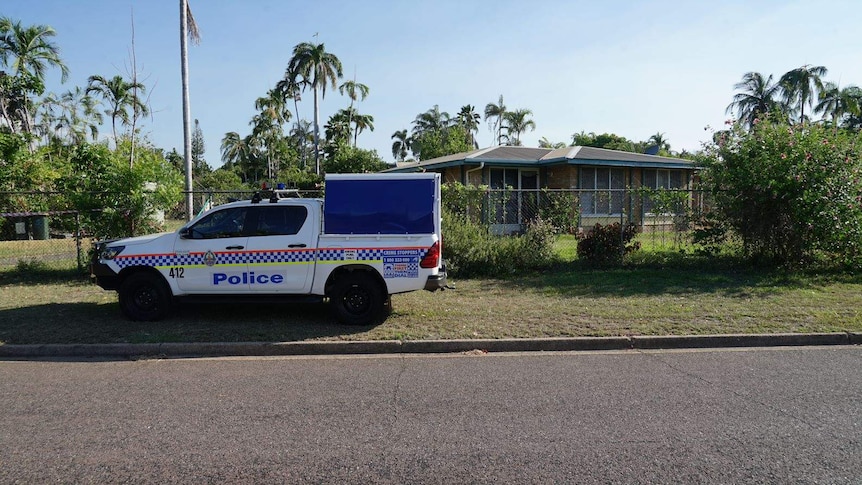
609 141
114 199
348 159
606 245
471 250
297 178
221 180
464 200
560 209
441 142
790 192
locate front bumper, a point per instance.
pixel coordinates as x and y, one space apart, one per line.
437 281
102 275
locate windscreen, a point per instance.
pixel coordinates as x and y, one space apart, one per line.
393 206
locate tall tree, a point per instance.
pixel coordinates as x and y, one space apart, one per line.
73 116
311 62
120 95
361 123
517 122
355 91
469 119
401 145
758 98
431 120
836 103
28 52
237 151
199 163
659 141
188 31
801 86
496 111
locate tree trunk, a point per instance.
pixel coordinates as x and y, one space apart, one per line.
316 134
187 131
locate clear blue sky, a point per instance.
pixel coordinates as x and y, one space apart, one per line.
633 68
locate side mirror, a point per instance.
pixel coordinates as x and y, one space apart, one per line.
185 233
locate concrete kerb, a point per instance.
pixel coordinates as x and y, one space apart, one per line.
219 349
740 340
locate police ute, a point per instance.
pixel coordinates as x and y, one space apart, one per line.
372 236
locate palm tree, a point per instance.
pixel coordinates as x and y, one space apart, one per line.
120 96
401 145
469 120
237 151
545 143
29 52
361 123
496 111
312 62
836 103
273 107
431 120
801 86
659 141
517 123
758 99
354 91
188 31
72 116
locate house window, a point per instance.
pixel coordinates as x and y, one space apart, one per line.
514 195
662 179
602 190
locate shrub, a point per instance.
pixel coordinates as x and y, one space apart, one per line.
605 245
791 193
560 209
471 250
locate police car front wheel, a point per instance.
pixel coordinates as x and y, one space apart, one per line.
144 297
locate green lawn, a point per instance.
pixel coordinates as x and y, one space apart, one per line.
47 307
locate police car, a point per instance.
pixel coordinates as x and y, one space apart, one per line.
372 236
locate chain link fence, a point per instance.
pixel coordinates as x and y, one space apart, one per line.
664 218
60 237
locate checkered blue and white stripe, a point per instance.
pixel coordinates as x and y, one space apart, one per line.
254 257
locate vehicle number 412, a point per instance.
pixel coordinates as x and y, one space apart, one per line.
177 272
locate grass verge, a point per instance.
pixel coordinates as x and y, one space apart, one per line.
50 307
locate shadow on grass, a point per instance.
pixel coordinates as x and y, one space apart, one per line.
648 280
83 323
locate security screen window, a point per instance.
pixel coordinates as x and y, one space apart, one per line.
222 223
661 179
602 190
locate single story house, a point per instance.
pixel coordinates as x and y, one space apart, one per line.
600 179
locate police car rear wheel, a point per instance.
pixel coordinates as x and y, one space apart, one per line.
144 297
357 299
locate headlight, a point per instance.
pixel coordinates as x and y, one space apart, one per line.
111 252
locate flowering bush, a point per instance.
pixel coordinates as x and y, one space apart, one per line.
605 245
790 192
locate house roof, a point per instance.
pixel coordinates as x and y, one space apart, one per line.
526 156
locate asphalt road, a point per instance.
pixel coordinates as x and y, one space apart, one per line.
708 416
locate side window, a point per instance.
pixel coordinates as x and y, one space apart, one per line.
223 223
277 220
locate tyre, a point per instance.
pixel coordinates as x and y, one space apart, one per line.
144 297
357 299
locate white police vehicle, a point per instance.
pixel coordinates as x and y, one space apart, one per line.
371 237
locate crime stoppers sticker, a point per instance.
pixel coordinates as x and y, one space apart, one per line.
401 263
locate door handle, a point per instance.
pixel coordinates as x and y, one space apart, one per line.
296 245
235 247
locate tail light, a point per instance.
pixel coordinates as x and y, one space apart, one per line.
432 257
